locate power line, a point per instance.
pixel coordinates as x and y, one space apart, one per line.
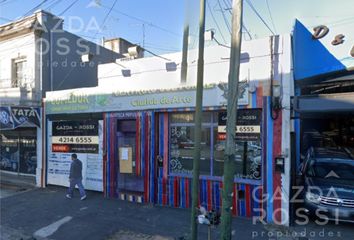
247 31
34 8
53 4
220 44
259 16
144 21
271 17
105 18
225 19
67 9
156 55
162 49
243 24
216 23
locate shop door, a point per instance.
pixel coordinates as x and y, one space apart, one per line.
18 150
128 180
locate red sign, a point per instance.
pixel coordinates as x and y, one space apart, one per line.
60 148
221 136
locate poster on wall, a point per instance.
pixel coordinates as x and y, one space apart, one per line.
85 138
14 117
248 126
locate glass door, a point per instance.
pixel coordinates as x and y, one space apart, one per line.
128 180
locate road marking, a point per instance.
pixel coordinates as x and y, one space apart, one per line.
83 208
52 228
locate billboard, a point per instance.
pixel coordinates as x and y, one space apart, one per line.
83 137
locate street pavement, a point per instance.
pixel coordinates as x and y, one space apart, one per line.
46 214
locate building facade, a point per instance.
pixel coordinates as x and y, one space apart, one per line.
135 131
37 55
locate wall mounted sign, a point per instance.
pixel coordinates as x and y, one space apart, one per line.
75 136
322 30
82 137
14 117
248 126
215 96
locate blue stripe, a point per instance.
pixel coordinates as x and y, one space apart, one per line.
142 139
215 195
170 181
269 164
161 124
254 99
160 190
108 155
205 193
255 202
243 201
152 157
183 193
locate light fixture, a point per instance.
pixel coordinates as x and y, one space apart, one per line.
133 51
279 164
171 66
252 87
86 57
126 72
276 94
209 35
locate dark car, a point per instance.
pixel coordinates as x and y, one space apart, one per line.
328 179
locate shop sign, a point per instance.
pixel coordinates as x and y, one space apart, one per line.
75 136
248 126
13 117
322 30
84 137
216 96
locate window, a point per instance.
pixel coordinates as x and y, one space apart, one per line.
182 143
18 72
248 147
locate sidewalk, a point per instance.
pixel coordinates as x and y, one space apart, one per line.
14 179
39 211
100 218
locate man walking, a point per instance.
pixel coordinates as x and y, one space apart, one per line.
75 177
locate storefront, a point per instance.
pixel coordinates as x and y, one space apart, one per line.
18 139
148 139
324 89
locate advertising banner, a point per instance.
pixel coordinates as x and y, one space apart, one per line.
85 138
75 136
113 102
248 126
13 117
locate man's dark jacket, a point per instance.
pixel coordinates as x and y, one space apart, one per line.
76 169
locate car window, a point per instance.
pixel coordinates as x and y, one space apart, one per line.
331 168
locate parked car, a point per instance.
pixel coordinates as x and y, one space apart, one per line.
328 178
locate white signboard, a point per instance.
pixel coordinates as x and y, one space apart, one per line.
59 162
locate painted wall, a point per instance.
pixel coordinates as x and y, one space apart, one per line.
20 46
150 73
274 55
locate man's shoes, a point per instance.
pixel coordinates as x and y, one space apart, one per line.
68 196
83 197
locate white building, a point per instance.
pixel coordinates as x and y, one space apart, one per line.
147 118
38 55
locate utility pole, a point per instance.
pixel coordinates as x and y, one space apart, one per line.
185 44
198 122
232 100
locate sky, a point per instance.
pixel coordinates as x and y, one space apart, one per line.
158 24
